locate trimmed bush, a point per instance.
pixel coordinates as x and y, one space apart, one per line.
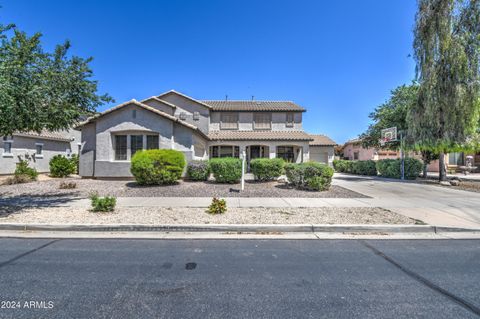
198 170
218 206
226 169
343 166
364 168
24 172
60 166
355 167
311 175
391 168
157 167
265 169
103 204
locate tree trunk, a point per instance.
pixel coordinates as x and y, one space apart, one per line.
425 168
442 170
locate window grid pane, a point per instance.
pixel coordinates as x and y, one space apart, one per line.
136 143
286 152
152 142
39 149
120 147
229 121
262 121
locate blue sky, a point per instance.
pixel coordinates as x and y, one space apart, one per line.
339 59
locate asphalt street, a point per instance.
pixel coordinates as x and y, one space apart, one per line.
68 278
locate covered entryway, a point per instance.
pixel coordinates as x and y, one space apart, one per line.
256 151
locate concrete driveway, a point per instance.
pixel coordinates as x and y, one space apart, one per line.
432 204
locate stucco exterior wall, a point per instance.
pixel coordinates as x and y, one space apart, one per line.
98 156
160 106
363 153
189 107
24 148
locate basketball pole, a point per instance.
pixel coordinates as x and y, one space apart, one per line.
402 156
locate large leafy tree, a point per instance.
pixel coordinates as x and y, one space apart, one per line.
42 90
393 113
447 52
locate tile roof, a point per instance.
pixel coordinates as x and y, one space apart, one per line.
353 141
47 135
259 135
222 105
185 96
321 140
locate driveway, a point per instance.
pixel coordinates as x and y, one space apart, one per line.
432 204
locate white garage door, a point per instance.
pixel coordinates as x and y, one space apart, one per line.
318 156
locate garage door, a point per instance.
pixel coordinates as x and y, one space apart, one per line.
318 156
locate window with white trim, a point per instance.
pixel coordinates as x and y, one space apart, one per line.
196 116
120 147
289 122
7 145
38 149
262 121
228 121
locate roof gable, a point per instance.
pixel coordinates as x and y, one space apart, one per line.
144 106
184 96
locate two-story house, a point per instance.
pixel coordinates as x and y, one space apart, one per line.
200 129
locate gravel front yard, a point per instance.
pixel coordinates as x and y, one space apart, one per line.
157 216
124 188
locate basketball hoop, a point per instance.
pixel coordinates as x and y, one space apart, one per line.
388 135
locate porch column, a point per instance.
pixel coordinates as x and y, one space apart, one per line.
272 151
305 153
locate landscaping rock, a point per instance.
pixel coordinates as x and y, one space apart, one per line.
445 183
455 182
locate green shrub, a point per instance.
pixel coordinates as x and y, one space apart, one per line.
265 169
60 166
157 167
340 166
364 168
75 159
218 206
198 170
226 169
311 175
25 171
103 204
391 168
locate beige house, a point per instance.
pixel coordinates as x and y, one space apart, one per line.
201 129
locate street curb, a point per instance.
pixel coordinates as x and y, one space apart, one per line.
247 228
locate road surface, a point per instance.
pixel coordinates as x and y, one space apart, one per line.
73 278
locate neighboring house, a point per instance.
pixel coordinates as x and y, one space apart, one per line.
455 160
36 148
199 129
322 149
353 150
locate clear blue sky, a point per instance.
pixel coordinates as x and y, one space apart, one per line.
339 59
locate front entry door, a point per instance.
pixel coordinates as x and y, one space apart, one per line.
254 152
